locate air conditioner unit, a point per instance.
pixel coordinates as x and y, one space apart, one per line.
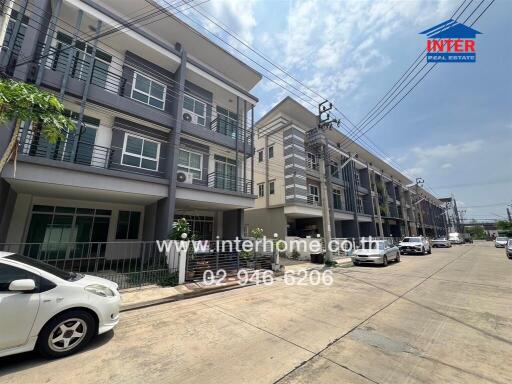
184 177
190 118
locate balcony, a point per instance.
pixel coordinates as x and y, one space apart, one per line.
312 164
78 152
231 128
220 181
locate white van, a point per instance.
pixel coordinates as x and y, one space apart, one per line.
456 238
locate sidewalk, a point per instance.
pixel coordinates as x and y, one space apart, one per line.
135 298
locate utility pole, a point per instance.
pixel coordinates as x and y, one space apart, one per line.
325 123
5 17
420 181
508 213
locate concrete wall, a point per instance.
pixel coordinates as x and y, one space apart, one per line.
272 220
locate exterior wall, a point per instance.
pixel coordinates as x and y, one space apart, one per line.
294 166
272 220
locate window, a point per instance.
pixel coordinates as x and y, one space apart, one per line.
196 108
191 162
314 196
271 152
9 273
227 122
140 152
357 178
260 156
311 161
334 169
271 187
128 225
225 174
360 208
336 199
261 189
148 91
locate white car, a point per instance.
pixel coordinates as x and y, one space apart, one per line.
456 238
501 242
50 310
415 244
376 252
441 242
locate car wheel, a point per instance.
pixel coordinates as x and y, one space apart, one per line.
355 263
385 261
423 251
66 333
397 258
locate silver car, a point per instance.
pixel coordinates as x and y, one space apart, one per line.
441 242
501 242
376 252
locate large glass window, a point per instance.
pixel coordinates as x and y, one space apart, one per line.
140 152
200 226
148 91
336 199
261 189
227 122
225 173
191 162
196 109
314 195
128 223
63 232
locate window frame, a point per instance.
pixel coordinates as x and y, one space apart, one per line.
164 96
188 167
317 195
261 189
271 187
157 159
130 213
261 156
270 149
338 192
196 100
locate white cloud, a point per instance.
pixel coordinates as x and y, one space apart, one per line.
446 165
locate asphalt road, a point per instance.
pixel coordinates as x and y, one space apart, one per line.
441 318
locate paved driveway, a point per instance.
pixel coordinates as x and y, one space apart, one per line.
441 318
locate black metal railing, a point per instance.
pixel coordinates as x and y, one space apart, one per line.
129 264
230 127
216 262
218 180
67 150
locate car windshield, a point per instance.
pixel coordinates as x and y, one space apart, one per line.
372 245
411 240
441 238
69 276
502 239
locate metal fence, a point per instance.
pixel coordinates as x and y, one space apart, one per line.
229 261
129 264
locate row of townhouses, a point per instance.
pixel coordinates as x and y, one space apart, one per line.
165 129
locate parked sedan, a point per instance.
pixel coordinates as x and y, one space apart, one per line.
50 310
376 252
416 244
509 249
501 242
441 242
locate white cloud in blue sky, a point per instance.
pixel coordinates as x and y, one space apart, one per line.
454 129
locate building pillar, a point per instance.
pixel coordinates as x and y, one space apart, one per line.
352 183
167 206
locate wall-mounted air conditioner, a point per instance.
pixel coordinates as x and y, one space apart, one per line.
184 177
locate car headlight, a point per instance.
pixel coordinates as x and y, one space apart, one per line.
100 290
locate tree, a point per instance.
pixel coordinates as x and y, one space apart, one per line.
504 225
25 102
477 232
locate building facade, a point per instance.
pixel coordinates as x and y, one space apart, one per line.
164 121
365 196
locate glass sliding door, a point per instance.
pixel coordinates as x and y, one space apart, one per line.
225 173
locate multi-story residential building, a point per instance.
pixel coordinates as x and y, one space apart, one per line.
164 126
366 196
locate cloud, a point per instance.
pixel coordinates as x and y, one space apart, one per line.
446 165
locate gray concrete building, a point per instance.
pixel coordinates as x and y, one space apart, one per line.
366 196
164 126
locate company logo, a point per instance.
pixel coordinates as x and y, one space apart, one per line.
451 42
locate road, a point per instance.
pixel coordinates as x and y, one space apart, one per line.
441 318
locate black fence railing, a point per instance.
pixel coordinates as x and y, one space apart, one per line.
218 180
232 128
129 264
67 150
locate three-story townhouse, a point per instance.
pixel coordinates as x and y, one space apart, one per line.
164 121
366 196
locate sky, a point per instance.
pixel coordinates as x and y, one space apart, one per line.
454 129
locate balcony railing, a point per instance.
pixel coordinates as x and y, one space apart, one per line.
311 164
230 127
313 200
224 182
67 150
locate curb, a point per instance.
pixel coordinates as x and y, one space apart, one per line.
182 296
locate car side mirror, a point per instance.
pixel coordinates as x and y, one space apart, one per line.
22 285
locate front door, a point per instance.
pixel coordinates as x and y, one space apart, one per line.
18 309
